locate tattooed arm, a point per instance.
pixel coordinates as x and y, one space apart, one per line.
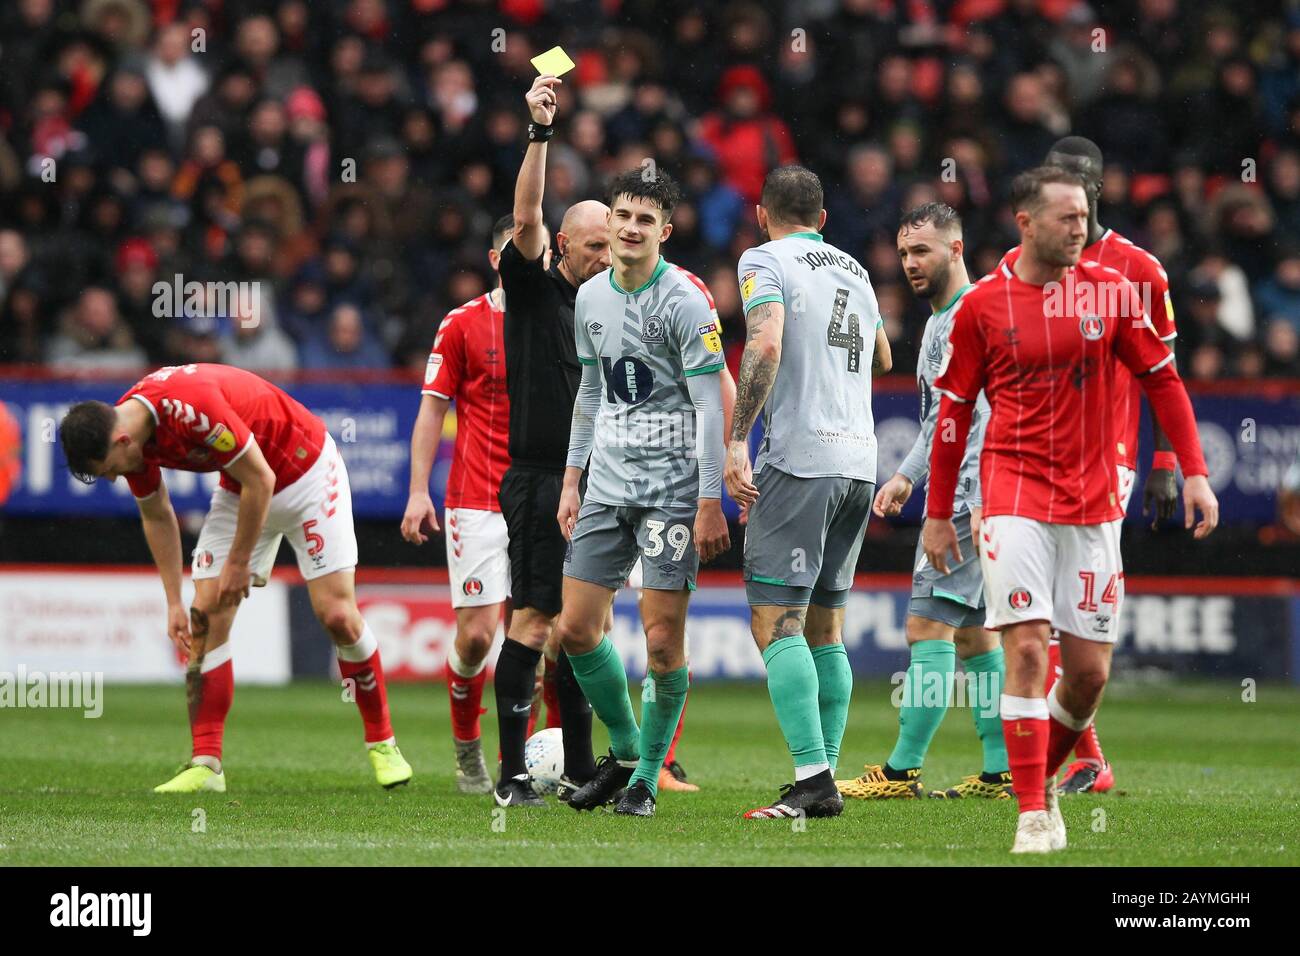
758 366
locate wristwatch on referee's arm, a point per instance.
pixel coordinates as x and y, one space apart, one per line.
539 133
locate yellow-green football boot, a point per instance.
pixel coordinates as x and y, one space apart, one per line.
976 786
874 785
391 768
194 778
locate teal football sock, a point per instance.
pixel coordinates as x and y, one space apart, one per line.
792 685
661 707
834 688
602 678
986 672
925 700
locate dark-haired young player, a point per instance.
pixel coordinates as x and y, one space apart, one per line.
648 428
281 477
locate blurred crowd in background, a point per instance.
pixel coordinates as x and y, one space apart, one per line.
351 156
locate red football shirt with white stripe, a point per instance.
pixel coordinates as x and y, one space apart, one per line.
1144 271
468 365
1045 357
206 417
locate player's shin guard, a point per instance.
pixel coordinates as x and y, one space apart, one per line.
925 701
1024 727
792 685
601 675
465 689
662 700
1064 731
515 675
211 689
573 713
986 672
360 664
834 689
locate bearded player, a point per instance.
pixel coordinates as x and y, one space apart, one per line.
281 476
945 616
1091 772
1041 339
467 365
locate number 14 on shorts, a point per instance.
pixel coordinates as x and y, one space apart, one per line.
1109 595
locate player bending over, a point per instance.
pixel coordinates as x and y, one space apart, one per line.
649 418
1041 338
809 496
945 618
281 476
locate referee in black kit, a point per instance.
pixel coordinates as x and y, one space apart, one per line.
542 375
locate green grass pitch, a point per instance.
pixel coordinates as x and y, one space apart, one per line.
1203 779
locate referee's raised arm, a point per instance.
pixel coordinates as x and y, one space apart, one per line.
530 232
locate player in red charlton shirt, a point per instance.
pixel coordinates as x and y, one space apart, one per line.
1041 338
1091 772
468 365
281 476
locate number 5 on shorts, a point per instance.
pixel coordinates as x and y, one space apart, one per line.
679 536
314 541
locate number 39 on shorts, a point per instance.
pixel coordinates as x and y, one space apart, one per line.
679 537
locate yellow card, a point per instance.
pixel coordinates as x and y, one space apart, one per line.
554 61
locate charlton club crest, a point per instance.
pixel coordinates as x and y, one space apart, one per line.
473 587
1092 328
1020 599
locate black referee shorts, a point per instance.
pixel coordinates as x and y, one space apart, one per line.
529 500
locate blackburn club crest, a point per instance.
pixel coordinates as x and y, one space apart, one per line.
1020 599
652 332
1092 328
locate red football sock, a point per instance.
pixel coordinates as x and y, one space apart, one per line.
1024 728
551 694
672 747
367 674
1053 665
466 695
210 703
1089 747
1064 734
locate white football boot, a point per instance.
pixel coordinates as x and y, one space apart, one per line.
1033 833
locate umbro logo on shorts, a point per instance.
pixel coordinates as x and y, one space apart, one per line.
1020 599
667 568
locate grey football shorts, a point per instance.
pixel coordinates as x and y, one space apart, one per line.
956 598
607 540
803 538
